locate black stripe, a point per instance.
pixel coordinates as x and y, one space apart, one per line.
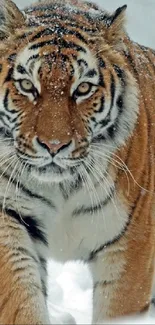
101 105
101 63
104 123
12 57
93 209
6 105
99 138
61 44
72 71
60 31
34 227
21 69
95 252
82 61
5 133
91 73
131 62
120 103
120 73
72 188
63 191
101 80
37 196
112 130
44 43
5 100
4 115
47 31
76 185
30 193
112 88
93 119
9 75
75 24
32 57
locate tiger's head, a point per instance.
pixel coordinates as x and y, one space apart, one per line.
67 97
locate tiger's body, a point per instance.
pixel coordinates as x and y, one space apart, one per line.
77 113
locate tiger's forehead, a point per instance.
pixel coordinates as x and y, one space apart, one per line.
33 53
30 60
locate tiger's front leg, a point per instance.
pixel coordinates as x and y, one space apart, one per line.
21 293
122 281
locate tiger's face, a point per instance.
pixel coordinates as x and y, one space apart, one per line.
61 101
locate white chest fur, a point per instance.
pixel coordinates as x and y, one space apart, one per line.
73 235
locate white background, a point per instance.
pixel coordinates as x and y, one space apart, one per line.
70 286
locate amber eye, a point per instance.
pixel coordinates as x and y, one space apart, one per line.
26 85
83 89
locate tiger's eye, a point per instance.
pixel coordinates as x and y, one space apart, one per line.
26 85
83 88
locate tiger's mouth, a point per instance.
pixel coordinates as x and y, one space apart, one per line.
44 163
52 169
53 172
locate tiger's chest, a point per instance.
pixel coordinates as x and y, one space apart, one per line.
75 226
83 223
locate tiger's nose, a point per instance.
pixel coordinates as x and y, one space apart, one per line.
54 145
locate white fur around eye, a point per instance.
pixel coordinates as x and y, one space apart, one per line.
84 91
26 88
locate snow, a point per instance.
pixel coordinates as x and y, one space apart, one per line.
70 286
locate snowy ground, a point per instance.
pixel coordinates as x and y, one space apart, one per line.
70 285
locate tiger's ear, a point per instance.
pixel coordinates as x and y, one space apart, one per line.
116 26
11 18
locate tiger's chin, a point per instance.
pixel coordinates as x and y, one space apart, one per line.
51 174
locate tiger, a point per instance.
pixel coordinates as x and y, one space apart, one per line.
77 174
